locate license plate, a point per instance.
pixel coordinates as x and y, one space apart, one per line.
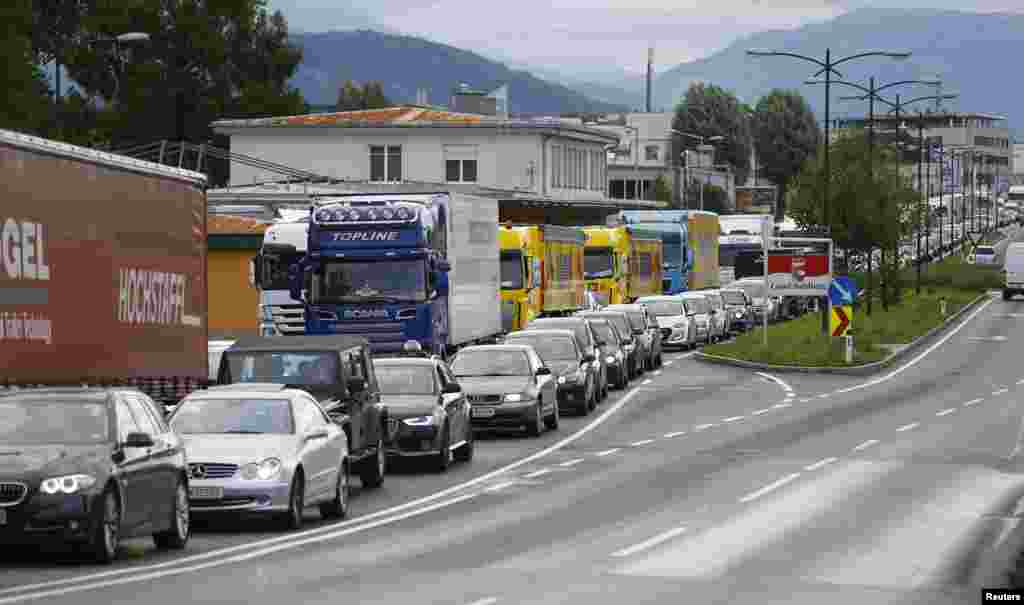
3 516
482 412
205 493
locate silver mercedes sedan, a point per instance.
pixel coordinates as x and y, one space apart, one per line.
263 449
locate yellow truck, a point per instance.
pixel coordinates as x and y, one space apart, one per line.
704 230
622 263
541 272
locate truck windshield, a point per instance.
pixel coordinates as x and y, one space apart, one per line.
512 271
597 262
305 368
275 270
385 280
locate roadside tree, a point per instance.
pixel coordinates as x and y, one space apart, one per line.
785 136
708 110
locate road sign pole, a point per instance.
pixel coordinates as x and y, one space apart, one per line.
764 307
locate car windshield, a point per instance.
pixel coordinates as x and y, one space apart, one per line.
371 281
597 262
405 379
511 271
550 348
663 308
306 368
221 416
605 332
621 323
733 298
31 421
494 362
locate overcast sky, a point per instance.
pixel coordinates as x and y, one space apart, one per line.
581 34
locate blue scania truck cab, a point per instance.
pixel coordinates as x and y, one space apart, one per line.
673 227
402 267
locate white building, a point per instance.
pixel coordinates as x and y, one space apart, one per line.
1017 163
550 159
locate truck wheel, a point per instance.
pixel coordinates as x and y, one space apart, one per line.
338 507
535 428
552 421
372 472
444 452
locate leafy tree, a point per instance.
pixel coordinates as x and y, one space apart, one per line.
785 136
205 60
707 111
352 97
25 104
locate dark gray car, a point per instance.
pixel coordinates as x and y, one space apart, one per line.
613 352
587 340
645 329
574 367
628 341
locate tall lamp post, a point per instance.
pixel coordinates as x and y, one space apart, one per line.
703 141
636 159
120 41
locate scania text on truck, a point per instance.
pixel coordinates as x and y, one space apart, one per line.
103 270
622 263
541 272
284 244
673 227
395 267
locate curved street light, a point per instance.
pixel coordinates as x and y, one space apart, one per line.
119 40
703 141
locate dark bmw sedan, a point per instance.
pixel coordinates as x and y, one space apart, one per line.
428 414
90 466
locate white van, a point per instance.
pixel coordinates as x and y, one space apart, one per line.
1014 271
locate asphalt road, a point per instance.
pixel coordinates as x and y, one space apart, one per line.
701 484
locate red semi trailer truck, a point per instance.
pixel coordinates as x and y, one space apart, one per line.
102 270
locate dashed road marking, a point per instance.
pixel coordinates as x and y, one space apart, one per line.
542 471
653 541
907 427
1000 391
762 411
668 363
779 406
945 412
691 388
642 442
824 396
500 486
1020 381
657 372
973 401
572 462
804 400
674 434
701 427
607 452
770 487
865 445
485 601
647 381
733 418
819 464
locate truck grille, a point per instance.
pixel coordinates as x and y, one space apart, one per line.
12 493
289 319
484 398
212 470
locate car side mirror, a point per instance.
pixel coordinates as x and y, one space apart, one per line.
356 385
138 440
589 358
451 388
543 371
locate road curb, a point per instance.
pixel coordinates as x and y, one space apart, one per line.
860 370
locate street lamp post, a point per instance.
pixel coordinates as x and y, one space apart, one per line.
703 141
119 41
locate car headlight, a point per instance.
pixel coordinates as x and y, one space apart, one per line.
263 470
419 421
513 397
68 484
739 315
610 359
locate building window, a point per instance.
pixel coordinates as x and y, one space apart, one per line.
651 153
386 163
460 171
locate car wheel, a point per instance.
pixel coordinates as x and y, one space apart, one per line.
106 532
536 427
372 472
296 502
1006 295
552 421
623 380
465 453
176 536
444 452
337 508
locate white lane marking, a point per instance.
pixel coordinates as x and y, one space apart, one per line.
541 472
777 380
607 452
1000 391
907 427
642 442
819 464
973 401
246 556
668 363
804 400
762 411
657 372
1020 381
691 388
674 434
648 543
647 381
945 412
701 427
733 418
500 486
779 406
381 517
824 396
916 360
572 462
865 445
485 601
770 487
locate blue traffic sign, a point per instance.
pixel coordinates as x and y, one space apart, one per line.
842 291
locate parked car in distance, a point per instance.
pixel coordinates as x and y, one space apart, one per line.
718 321
263 449
670 314
90 466
428 414
698 309
611 343
629 343
760 304
646 331
585 338
574 369
737 309
508 386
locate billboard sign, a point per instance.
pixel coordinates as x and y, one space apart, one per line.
793 273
